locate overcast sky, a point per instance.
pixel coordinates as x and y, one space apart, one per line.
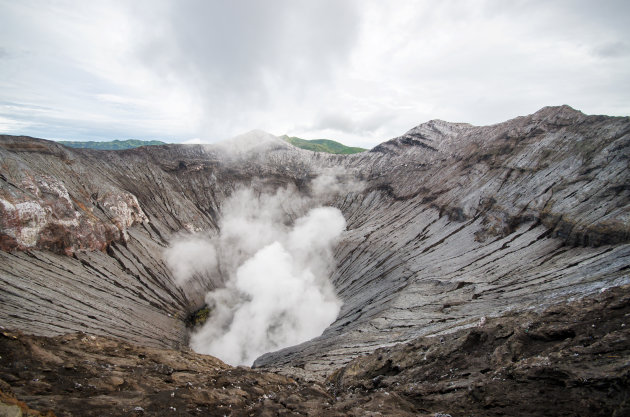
360 72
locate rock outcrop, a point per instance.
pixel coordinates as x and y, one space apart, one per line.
452 224
570 360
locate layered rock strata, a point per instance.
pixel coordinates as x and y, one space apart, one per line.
452 223
460 222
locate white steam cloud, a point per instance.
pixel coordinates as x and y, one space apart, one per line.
191 256
274 263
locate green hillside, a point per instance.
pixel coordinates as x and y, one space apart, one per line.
322 145
112 145
316 145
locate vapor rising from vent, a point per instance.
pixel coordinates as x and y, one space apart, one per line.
274 257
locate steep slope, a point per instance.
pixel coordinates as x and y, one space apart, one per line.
463 222
453 223
88 229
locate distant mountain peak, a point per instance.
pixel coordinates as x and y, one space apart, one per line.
563 108
254 140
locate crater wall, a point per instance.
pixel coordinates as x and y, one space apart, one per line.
454 223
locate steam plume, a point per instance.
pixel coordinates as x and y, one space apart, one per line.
275 272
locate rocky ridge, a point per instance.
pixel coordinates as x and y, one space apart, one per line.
453 223
495 219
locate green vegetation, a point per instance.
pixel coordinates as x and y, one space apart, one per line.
112 145
322 145
198 317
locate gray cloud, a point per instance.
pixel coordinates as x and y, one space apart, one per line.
359 72
612 49
359 124
242 55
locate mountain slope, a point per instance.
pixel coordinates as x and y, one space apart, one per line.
112 145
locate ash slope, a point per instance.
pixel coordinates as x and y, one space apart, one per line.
455 223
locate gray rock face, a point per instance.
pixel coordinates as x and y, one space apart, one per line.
463 222
454 223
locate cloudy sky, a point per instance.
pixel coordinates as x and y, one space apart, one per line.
356 71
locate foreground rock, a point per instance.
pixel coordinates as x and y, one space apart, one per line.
570 360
